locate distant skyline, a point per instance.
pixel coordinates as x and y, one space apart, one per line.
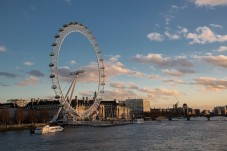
163 51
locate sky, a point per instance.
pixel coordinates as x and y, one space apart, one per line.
162 51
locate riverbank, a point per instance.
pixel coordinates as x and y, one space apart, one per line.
14 127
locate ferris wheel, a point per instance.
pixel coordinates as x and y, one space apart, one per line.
65 98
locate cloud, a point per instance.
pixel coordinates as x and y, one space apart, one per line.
172 36
33 8
178 72
2 48
205 35
173 82
159 60
36 73
124 90
29 81
28 63
211 84
8 75
72 62
159 92
216 26
222 49
118 85
220 60
210 3
119 94
113 68
3 84
155 37
168 18
68 1
123 85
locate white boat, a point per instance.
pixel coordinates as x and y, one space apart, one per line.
139 120
48 129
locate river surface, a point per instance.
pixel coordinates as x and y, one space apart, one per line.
197 134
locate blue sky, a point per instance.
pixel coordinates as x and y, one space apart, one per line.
163 51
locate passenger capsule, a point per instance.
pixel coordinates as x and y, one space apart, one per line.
51 65
57 97
101 59
52 76
60 30
102 68
51 54
54 44
54 87
102 83
65 25
101 91
103 76
75 23
70 23
56 36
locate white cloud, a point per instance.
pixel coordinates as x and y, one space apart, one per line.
216 26
155 37
210 3
182 30
220 60
172 36
205 35
119 94
159 92
211 84
174 82
29 81
72 62
28 63
2 49
222 49
168 18
113 68
159 60
178 72
124 85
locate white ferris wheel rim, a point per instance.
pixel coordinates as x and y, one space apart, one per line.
63 33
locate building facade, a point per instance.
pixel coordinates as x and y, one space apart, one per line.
138 107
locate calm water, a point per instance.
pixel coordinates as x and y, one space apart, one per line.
166 135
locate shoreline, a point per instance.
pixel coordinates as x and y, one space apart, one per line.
15 127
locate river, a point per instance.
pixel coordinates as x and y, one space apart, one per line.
197 134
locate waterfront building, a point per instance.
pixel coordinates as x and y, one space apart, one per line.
220 110
7 113
41 110
107 110
138 107
18 102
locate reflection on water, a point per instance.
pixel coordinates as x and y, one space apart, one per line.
197 134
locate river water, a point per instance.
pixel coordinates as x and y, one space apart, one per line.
197 134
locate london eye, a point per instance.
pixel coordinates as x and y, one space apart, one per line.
65 97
